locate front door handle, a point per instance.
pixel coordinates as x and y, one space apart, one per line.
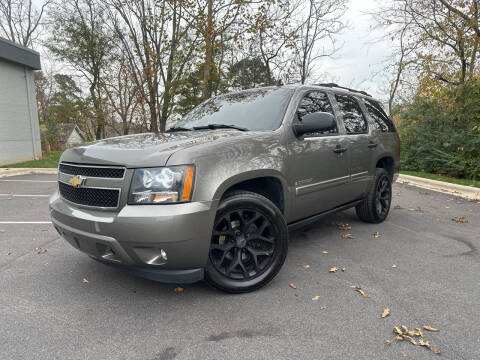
372 145
338 149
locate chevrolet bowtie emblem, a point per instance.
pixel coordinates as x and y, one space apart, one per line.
77 181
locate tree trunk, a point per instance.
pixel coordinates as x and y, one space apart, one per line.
209 39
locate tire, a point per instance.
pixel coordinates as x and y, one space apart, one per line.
375 208
249 243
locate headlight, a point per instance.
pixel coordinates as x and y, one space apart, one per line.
161 185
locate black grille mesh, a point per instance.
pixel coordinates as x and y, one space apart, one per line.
104 172
89 196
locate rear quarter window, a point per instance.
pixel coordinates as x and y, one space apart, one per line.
381 121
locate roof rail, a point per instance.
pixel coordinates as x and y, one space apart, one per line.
332 85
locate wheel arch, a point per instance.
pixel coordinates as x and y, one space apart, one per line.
269 184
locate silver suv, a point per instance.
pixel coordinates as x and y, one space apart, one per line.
215 196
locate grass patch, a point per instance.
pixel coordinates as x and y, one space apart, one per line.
46 162
448 179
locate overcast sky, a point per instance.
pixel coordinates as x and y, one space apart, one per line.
361 55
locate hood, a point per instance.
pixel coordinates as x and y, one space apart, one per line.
144 150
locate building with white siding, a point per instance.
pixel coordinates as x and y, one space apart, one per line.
19 128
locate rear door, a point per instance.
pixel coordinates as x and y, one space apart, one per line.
318 162
360 144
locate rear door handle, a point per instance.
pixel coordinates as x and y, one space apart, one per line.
372 145
339 149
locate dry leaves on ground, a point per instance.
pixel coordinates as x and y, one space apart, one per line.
397 207
315 298
417 209
394 266
377 235
229 308
333 269
178 289
324 252
305 266
360 291
429 328
385 313
460 220
40 250
348 236
292 285
415 337
85 281
344 227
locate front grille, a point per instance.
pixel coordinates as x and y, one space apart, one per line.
92 171
90 196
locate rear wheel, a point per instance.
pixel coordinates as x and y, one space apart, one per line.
376 206
249 243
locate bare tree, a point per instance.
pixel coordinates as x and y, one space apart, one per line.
317 30
158 46
20 20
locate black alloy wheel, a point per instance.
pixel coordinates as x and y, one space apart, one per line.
383 196
248 245
376 206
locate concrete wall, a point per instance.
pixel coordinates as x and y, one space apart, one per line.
19 128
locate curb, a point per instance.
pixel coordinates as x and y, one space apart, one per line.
468 192
4 172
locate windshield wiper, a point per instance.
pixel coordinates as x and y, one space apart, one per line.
178 128
219 126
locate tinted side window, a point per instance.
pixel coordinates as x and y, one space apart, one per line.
381 121
315 101
355 122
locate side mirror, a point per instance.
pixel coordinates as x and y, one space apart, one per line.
314 122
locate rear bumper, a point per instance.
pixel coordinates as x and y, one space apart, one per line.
160 242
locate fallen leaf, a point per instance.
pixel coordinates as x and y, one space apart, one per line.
377 235
323 307
305 266
343 227
178 289
34 239
394 266
423 193
348 236
292 285
429 328
333 269
85 281
397 207
404 354
388 342
229 308
397 330
385 313
324 252
460 220
40 250
315 298
360 291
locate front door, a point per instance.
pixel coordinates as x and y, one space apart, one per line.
318 163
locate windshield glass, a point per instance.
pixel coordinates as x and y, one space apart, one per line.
255 109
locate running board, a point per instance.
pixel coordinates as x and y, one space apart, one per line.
314 218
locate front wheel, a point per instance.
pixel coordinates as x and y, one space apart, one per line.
375 208
249 243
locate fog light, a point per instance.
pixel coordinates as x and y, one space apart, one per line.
152 256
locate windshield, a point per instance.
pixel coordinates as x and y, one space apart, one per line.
256 109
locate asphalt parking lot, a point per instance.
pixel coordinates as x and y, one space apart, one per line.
47 311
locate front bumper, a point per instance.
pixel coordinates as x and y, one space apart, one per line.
138 233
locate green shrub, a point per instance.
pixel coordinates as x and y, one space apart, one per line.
443 135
